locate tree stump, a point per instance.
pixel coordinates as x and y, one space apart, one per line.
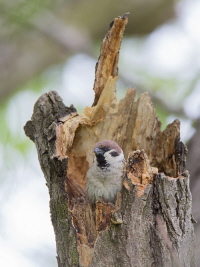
151 222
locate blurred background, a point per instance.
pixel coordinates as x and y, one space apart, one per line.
54 45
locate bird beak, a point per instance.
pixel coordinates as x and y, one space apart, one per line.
98 151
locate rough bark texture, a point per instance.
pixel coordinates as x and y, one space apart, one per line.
151 222
154 228
41 130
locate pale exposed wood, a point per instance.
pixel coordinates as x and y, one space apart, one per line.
151 222
109 55
155 223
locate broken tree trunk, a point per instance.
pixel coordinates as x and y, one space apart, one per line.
151 222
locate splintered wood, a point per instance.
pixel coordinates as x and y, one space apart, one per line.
132 124
103 215
76 136
109 55
150 223
139 171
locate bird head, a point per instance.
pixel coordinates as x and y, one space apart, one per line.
107 153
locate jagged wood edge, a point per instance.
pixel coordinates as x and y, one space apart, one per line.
41 129
49 134
107 64
163 214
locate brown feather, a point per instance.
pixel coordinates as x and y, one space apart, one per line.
109 143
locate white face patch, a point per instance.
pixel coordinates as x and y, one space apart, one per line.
113 159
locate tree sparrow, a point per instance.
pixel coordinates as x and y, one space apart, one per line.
104 177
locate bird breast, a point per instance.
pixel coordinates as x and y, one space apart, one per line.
105 183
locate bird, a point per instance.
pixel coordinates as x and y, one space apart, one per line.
104 177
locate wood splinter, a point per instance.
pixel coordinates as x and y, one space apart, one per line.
155 201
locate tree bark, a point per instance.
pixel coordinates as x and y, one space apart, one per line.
151 222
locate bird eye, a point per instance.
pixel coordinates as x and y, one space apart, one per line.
114 153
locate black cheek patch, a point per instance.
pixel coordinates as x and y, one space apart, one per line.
114 153
102 163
